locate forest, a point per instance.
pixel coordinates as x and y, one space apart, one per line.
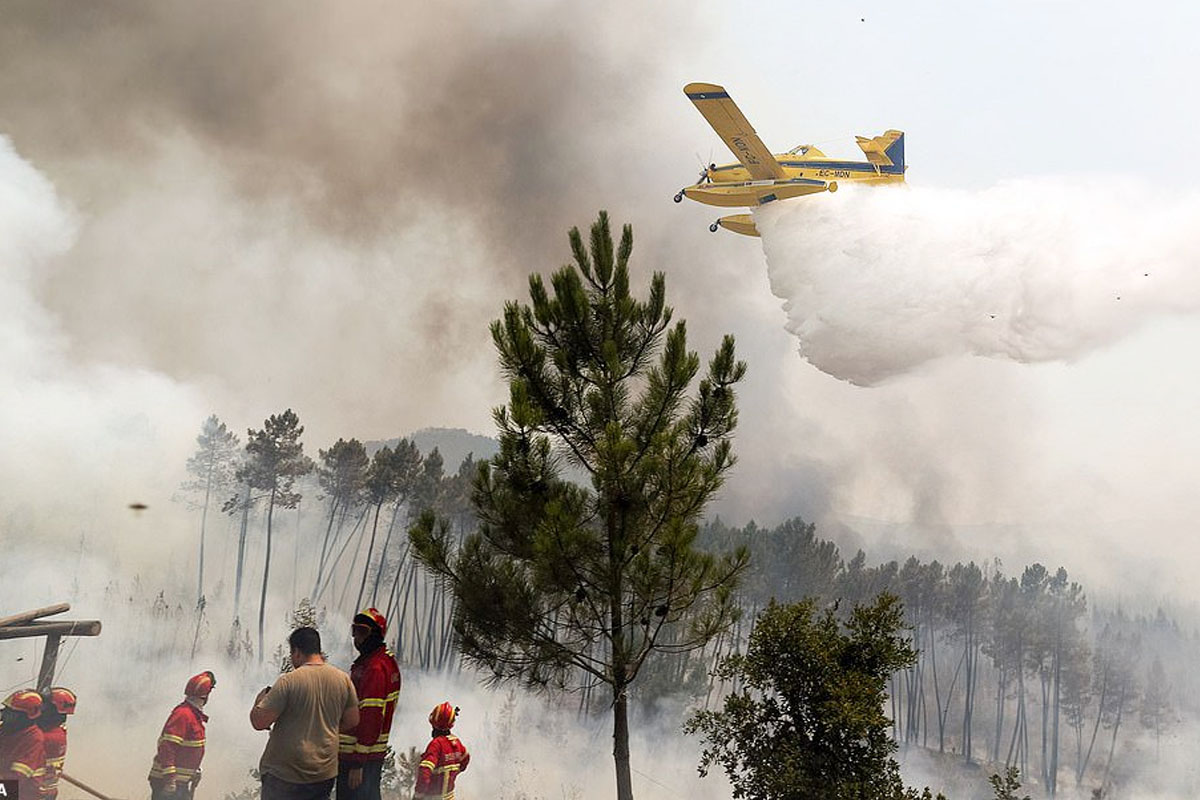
1013 669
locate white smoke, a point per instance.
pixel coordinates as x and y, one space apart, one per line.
81 440
878 281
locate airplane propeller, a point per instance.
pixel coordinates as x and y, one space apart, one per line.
704 177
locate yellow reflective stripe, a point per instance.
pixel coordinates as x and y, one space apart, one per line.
379 702
173 739
427 764
17 766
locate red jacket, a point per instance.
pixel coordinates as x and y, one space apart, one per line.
22 758
376 678
55 741
181 745
444 758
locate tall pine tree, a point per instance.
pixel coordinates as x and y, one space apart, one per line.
210 470
565 583
274 459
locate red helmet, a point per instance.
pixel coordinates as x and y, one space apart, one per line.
200 685
371 616
442 717
27 701
62 699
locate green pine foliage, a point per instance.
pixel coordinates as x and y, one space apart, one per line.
578 579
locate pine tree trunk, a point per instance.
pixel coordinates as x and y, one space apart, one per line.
1116 727
1053 771
331 568
937 691
241 560
387 540
203 523
262 601
621 741
968 690
325 547
1001 685
1044 677
362 586
1081 769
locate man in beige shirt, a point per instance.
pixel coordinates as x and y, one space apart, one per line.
305 710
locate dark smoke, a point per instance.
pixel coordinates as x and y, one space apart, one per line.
358 115
277 197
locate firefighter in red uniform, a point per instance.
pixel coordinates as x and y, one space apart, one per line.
57 705
22 757
175 772
444 758
376 679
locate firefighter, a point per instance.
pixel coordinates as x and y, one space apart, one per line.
175 772
376 678
57 705
444 758
22 755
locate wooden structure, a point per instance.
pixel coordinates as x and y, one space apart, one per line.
30 623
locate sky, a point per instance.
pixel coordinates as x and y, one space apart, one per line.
235 210
238 208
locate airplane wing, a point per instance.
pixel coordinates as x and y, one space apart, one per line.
732 126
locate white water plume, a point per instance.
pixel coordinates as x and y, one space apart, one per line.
878 281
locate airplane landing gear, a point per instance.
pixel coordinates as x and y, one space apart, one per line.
713 228
679 197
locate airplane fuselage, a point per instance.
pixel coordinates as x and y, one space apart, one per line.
730 185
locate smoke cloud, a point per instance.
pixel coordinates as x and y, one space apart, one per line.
310 208
82 441
878 282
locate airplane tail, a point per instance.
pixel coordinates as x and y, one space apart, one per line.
886 150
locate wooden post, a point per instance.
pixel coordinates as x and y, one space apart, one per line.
49 661
37 613
90 627
30 623
83 786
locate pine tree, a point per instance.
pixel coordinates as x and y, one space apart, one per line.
212 469
274 459
342 474
406 469
383 485
566 585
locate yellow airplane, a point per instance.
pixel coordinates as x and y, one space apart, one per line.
762 178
